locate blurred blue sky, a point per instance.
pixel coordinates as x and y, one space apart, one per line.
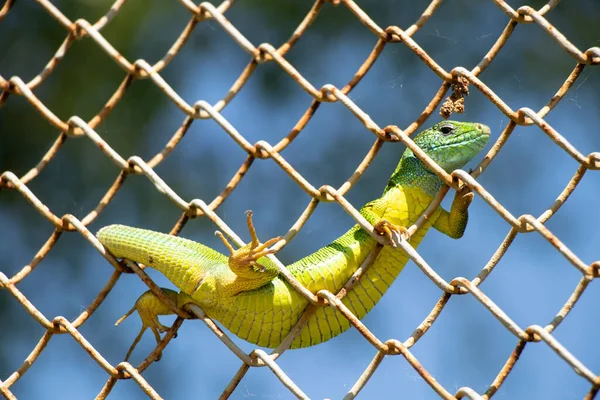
466 346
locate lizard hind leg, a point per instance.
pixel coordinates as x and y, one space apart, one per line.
149 307
244 262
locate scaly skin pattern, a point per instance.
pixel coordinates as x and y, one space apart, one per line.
252 301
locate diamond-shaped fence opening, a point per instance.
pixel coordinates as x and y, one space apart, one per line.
171 78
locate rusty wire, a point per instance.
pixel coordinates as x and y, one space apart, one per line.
140 69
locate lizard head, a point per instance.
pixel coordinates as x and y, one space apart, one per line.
452 144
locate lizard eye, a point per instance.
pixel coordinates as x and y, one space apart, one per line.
446 129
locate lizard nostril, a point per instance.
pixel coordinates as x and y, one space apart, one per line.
484 129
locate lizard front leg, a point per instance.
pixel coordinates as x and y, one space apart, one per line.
453 223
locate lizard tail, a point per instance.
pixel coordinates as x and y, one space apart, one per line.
182 261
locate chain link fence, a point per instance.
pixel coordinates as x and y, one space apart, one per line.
456 81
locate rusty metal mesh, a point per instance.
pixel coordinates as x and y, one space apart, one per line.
454 80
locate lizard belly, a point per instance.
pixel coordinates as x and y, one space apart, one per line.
263 316
266 315
328 322
403 207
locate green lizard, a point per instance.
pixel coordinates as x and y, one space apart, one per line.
244 291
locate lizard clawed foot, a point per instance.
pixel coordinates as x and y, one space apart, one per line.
244 261
149 307
463 198
393 232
